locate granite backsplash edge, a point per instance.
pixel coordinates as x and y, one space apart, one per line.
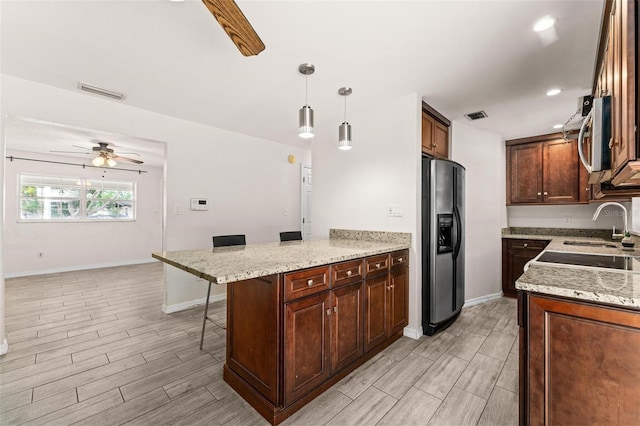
382 236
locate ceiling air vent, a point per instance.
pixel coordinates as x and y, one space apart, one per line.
476 115
100 91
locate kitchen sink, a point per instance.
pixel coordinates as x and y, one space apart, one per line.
590 244
608 261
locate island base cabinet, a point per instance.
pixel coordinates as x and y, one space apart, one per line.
306 345
292 336
579 362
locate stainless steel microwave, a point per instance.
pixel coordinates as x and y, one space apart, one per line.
600 152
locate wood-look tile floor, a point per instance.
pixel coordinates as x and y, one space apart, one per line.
93 347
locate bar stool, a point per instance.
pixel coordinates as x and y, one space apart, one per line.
290 236
220 241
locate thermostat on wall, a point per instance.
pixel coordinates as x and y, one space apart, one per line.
199 204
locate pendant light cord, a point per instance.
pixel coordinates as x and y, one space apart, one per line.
306 90
345 109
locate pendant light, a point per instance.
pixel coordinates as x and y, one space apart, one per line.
344 130
306 113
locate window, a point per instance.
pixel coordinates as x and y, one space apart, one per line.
54 198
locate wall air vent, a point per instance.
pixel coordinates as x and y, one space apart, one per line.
100 91
476 115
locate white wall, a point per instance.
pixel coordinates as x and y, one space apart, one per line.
580 216
3 337
353 189
482 153
248 180
68 246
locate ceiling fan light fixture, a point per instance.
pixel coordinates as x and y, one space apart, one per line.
344 130
98 161
305 115
111 162
553 92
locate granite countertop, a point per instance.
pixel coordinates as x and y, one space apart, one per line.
614 287
228 264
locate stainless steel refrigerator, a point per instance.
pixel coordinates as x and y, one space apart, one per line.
443 184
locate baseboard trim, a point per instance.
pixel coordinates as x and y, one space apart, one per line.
4 347
177 307
482 299
413 333
78 268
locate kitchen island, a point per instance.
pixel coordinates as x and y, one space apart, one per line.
580 339
301 315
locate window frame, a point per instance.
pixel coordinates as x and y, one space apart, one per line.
82 184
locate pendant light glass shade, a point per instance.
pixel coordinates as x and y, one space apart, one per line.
305 115
111 162
344 130
344 136
306 122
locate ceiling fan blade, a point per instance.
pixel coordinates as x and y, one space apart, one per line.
126 159
81 147
236 25
71 152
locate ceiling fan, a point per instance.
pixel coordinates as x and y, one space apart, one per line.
104 155
236 25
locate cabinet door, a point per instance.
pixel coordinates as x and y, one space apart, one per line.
560 174
346 330
427 134
581 363
524 164
441 140
516 259
375 311
584 189
398 294
306 345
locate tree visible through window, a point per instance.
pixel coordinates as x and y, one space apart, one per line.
51 198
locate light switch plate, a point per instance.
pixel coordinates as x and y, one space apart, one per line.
394 210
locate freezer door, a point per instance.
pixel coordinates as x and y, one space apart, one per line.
460 236
442 273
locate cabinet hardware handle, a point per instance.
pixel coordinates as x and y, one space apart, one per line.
391 286
539 194
349 273
328 311
545 193
399 259
310 283
335 308
525 245
434 145
587 189
377 265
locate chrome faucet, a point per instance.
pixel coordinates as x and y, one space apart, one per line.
624 211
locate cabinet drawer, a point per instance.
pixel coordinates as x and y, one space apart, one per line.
399 257
526 244
306 282
376 265
346 273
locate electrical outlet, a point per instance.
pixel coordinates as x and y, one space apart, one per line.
177 210
285 211
40 255
567 220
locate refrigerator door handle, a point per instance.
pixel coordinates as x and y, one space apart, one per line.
456 214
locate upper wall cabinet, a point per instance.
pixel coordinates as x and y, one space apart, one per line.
617 75
435 133
544 170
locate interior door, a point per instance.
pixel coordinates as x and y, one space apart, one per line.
306 202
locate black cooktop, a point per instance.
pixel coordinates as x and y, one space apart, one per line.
627 263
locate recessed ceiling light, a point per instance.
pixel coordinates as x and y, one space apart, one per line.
544 23
558 126
553 92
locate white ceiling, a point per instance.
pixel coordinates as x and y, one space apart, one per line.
173 58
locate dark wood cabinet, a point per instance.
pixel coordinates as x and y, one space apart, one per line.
291 336
578 362
398 295
306 345
386 300
435 133
543 170
515 254
375 311
346 325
